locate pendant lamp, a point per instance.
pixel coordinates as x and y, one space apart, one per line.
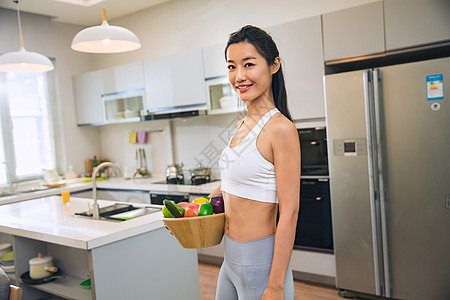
23 60
105 38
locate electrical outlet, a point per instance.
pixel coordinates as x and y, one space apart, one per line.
447 201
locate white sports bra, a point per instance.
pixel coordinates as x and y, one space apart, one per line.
245 172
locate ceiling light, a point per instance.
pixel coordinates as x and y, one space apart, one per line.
85 3
23 60
105 38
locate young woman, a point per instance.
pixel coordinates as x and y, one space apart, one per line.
260 173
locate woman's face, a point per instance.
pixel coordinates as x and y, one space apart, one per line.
248 72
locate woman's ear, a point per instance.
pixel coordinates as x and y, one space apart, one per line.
275 65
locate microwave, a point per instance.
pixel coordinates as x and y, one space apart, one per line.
314 154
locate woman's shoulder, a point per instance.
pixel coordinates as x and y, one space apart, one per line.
280 122
282 128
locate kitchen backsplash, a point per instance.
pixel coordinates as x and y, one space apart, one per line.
197 140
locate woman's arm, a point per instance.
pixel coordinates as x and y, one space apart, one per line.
286 151
216 191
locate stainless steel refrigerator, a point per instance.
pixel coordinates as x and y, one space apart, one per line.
388 135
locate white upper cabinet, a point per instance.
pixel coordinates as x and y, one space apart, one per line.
214 63
123 78
300 47
88 88
158 83
416 22
354 31
174 81
188 78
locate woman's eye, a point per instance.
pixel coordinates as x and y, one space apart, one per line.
230 67
249 65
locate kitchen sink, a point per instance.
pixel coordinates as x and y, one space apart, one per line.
121 212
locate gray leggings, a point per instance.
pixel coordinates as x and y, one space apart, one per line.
246 268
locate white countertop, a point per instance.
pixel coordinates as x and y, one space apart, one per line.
72 187
150 184
143 184
48 219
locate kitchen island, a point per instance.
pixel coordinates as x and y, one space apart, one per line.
132 259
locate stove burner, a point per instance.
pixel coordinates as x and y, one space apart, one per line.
197 181
191 181
176 180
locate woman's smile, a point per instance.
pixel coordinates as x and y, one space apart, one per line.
243 88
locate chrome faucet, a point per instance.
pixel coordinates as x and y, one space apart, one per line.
8 177
96 211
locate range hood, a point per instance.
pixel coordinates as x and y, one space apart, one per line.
172 112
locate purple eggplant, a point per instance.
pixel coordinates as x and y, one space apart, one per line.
217 203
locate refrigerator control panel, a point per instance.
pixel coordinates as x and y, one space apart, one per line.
350 147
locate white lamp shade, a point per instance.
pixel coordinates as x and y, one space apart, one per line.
105 39
25 61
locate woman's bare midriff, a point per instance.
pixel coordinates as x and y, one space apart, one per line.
248 220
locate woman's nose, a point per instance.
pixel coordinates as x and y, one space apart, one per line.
240 74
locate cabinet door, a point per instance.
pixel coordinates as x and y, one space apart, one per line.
214 64
175 80
188 80
416 22
88 90
353 31
108 195
158 83
134 196
123 78
300 47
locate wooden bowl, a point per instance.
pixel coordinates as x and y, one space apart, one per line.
197 232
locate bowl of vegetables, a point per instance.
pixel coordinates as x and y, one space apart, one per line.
198 224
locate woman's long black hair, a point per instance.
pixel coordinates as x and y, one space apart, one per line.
265 45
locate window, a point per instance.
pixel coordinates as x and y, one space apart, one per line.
29 133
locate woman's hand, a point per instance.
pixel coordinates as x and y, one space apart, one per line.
273 294
168 229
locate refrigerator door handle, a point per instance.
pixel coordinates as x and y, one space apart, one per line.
381 183
373 181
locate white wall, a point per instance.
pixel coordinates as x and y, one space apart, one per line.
53 40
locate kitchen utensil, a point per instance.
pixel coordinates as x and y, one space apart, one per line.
175 171
8 269
25 278
6 257
41 266
4 248
51 175
141 164
201 173
227 102
54 184
197 232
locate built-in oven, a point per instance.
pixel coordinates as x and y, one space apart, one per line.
314 227
313 143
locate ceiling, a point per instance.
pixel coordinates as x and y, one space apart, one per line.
80 12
